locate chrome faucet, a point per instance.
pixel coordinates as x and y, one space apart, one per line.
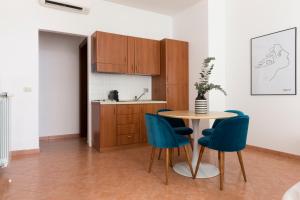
146 90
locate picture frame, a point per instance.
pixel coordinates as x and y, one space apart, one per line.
274 63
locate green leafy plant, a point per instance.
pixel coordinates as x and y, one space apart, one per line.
203 86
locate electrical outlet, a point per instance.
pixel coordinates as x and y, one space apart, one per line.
27 89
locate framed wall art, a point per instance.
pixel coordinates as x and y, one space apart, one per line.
273 63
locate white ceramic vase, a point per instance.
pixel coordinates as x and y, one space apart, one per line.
201 106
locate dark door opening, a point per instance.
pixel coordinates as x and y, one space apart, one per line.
83 81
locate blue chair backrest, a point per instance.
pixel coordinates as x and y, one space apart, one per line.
159 132
230 134
174 122
217 121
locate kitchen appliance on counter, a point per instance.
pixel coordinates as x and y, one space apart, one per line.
113 95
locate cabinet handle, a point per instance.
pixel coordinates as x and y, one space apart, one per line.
129 136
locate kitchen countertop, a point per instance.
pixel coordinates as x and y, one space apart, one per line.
128 102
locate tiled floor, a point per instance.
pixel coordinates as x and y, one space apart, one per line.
69 170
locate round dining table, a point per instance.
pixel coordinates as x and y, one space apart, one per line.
206 170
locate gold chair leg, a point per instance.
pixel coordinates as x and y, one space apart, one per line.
167 166
188 160
191 141
242 165
159 154
151 159
221 167
178 151
199 160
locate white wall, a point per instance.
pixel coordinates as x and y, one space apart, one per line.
19 49
216 48
274 119
58 84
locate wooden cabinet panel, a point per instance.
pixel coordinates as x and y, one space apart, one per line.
109 52
177 60
108 126
113 53
114 125
128 139
172 84
147 108
147 56
177 97
127 119
131 55
128 129
127 109
96 125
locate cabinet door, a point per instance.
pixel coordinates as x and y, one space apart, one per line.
147 108
177 96
131 56
112 52
108 126
147 56
176 55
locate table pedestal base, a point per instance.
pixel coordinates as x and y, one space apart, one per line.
205 170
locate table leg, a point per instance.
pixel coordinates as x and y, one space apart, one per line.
205 170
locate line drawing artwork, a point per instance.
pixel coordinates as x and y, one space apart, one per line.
276 60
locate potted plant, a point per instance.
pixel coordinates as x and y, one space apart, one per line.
203 86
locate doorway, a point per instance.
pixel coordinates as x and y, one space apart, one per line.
63 86
83 87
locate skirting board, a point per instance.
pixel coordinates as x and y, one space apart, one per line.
59 137
20 153
274 152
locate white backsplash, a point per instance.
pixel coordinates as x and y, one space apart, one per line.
127 85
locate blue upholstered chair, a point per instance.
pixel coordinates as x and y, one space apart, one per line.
208 131
179 127
162 136
229 135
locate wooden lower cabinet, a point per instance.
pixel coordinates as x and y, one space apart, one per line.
128 139
104 130
115 125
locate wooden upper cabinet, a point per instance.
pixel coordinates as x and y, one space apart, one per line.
143 56
172 84
109 52
176 58
147 56
113 53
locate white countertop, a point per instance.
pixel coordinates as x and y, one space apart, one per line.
129 102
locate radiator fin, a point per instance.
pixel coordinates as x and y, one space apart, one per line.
4 129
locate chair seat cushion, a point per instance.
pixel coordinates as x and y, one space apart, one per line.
183 130
204 141
181 140
207 132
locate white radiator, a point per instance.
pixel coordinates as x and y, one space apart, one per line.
4 129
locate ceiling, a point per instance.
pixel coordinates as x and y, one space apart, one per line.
167 7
